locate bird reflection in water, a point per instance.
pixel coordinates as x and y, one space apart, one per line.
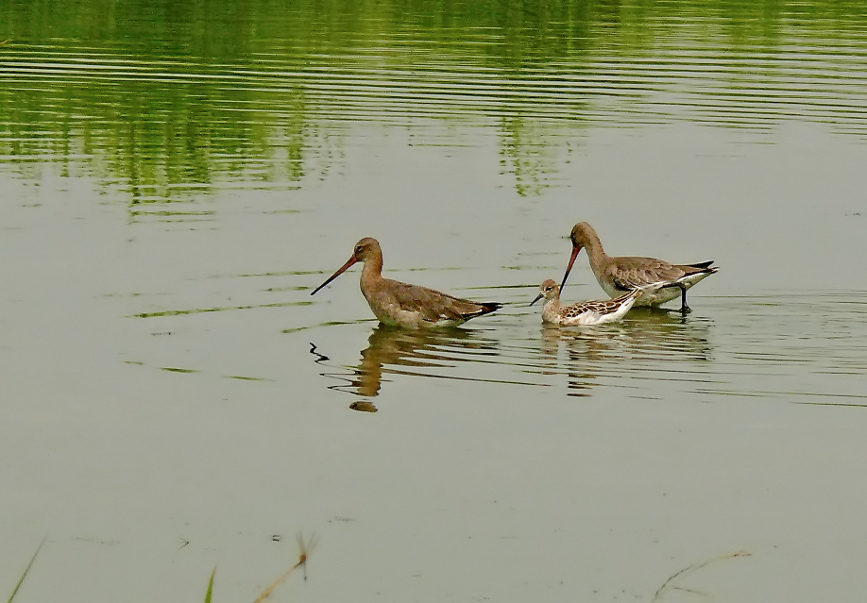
638 347
395 351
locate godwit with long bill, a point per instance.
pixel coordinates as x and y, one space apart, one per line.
617 275
400 304
589 312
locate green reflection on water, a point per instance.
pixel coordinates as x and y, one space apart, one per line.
168 99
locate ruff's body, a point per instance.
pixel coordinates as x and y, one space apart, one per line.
589 312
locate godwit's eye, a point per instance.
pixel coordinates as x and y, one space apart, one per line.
359 249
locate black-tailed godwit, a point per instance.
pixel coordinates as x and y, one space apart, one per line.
617 275
403 305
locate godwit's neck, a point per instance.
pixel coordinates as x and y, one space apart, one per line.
371 274
594 248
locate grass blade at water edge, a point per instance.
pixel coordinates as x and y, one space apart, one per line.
26 570
671 583
210 586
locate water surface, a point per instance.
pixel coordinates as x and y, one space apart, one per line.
177 179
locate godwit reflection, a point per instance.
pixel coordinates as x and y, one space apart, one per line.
436 354
389 348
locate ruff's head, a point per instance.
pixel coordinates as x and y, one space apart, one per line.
549 290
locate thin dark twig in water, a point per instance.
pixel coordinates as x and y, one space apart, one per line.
669 584
303 556
319 357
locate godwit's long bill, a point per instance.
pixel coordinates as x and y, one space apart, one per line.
588 312
400 304
619 274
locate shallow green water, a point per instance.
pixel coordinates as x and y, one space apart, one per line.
175 180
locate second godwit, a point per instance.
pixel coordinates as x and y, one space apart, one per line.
588 312
400 304
617 275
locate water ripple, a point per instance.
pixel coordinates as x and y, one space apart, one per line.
804 352
391 83
166 118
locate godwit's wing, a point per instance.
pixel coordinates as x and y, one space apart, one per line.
627 273
430 305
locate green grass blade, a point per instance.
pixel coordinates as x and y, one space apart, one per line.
210 586
27 569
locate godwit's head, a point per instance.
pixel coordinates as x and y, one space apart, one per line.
365 250
549 290
581 236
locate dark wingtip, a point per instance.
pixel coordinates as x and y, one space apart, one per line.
483 308
488 307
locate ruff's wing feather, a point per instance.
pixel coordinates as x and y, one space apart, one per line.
601 307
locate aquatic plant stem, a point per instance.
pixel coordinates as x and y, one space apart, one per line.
26 570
